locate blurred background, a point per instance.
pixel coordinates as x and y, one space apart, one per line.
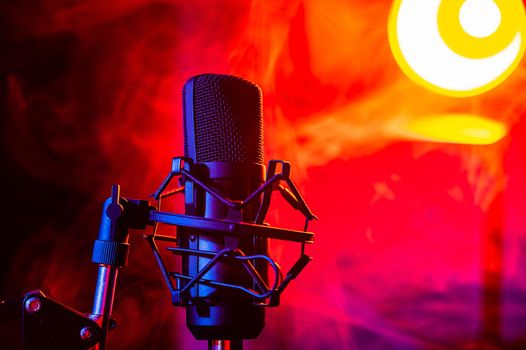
421 242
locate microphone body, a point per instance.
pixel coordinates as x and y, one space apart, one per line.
223 134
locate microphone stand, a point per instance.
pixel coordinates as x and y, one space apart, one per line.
110 252
108 270
103 301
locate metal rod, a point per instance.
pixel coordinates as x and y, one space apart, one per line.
232 227
225 344
103 300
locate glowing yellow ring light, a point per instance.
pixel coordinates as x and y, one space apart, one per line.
434 50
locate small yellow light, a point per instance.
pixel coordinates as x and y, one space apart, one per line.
455 128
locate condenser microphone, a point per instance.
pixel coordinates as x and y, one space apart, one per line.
227 277
223 136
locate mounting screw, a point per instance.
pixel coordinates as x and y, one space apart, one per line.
33 305
112 323
193 238
86 333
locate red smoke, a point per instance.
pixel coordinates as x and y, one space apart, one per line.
419 245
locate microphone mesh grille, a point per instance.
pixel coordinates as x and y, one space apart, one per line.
228 119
